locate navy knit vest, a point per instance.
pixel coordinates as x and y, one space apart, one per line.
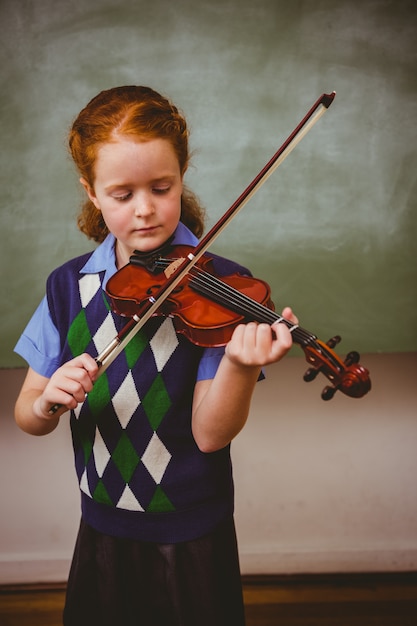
140 471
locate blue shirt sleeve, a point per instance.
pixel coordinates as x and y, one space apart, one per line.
39 343
209 363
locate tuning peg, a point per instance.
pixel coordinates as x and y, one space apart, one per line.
311 374
334 341
328 393
352 357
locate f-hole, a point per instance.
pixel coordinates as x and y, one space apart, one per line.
152 288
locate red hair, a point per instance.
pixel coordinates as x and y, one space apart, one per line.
130 111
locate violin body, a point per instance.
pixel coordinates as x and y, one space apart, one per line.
203 321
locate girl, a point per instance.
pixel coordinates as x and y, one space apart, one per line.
156 544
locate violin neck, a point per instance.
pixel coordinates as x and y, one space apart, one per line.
229 297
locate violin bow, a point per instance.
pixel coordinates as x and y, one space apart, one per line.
149 308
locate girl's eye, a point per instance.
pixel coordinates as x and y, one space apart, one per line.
161 190
123 197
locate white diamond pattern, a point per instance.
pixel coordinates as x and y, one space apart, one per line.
88 285
105 334
84 484
77 410
156 458
126 400
101 454
128 501
163 343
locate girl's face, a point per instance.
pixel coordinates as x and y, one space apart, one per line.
137 188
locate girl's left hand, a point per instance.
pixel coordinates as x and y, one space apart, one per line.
255 345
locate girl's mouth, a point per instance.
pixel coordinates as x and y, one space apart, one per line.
146 231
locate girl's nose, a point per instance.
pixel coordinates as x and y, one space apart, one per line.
144 205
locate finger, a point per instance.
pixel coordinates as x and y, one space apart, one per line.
240 346
288 314
283 339
78 389
87 362
66 392
75 377
264 338
257 340
59 398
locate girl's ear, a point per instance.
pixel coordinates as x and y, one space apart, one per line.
90 192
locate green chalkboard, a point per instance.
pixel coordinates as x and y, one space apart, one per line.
333 230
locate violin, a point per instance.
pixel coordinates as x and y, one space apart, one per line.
207 308
189 274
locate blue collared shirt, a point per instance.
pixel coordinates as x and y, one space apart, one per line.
39 343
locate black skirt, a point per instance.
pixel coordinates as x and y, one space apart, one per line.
121 582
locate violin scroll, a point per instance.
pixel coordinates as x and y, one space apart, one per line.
347 376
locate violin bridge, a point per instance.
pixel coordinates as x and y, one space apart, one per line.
172 267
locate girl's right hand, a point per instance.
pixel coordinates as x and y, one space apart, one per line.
68 386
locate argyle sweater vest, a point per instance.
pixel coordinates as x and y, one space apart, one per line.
140 472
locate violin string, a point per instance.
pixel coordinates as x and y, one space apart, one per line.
224 294
245 305
210 285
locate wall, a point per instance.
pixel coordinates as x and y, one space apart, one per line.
332 231
320 486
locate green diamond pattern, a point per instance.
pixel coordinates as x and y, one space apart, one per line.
134 348
99 396
156 402
87 447
125 458
100 494
79 335
106 302
160 503
86 443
